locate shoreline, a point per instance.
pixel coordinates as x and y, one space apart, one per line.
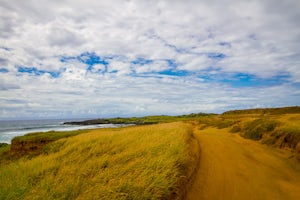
6 136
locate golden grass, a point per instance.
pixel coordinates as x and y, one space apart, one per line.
280 130
143 162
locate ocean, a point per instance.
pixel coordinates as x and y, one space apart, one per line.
12 128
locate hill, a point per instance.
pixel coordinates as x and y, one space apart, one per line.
270 111
142 162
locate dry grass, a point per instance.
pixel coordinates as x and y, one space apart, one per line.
277 130
142 162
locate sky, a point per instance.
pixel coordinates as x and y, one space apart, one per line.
118 58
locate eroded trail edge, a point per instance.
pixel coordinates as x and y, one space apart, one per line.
231 167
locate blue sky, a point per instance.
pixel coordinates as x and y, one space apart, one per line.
69 59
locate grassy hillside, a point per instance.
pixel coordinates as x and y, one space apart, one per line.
33 143
270 111
278 127
143 162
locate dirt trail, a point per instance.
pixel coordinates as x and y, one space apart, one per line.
232 167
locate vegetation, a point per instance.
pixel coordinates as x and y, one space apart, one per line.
270 111
141 162
141 120
4 148
286 136
258 127
278 127
235 129
219 122
49 136
282 131
33 143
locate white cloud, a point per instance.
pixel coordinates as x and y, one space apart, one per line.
193 62
155 66
259 38
121 68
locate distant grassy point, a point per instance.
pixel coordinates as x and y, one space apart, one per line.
140 120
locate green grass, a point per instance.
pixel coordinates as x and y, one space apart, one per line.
143 162
4 153
3 149
50 135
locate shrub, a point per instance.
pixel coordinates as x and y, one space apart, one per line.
235 129
298 151
4 147
255 129
290 135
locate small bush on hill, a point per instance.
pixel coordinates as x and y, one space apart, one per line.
255 129
235 129
4 147
290 135
298 151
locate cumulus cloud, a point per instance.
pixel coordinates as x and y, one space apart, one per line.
74 58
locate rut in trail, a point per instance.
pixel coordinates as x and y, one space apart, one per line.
232 167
